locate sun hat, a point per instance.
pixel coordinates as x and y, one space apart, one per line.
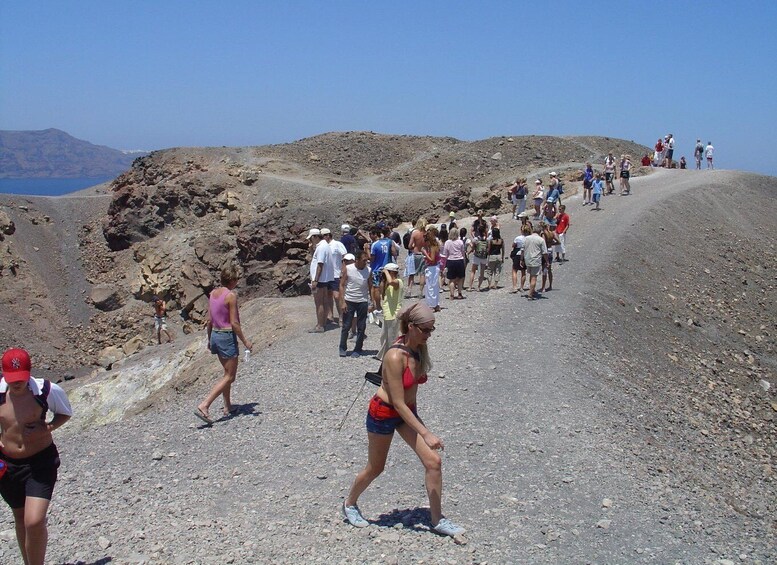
16 365
349 257
525 214
313 231
391 267
345 228
325 231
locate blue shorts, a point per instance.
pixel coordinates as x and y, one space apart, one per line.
376 276
334 285
224 344
597 197
383 419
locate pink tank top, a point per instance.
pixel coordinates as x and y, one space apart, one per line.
219 311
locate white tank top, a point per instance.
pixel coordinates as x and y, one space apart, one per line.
356 289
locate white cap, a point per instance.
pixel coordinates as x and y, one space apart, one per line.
345 228
349 257
313 231
325 231
554 174
391 267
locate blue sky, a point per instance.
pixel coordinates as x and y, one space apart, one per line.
164 73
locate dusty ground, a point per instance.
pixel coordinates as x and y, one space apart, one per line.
619 420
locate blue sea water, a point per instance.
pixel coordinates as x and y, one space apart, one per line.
48 187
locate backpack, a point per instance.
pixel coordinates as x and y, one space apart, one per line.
520 193
560 188
41 399
481 249
406 239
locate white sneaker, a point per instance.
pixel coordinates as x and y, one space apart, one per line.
447 528
354 516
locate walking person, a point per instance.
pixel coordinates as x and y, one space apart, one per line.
496 258
609 172
549 234
354 300
588 182
224 330
535 250
537 197
625 174
28 451
321 273
415 258
597 190
698 153
478 256
431 251
160 320
393 408
708 152
562 227
517 256
455 250
391 292
337 251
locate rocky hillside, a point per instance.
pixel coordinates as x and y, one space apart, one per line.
52 153
166 226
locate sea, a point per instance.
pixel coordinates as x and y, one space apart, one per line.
48 186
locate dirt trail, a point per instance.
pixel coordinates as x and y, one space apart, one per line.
538 465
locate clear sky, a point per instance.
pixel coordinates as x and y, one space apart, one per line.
152 74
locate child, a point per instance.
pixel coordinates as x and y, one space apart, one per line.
597 190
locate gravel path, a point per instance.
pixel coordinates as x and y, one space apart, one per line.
537 466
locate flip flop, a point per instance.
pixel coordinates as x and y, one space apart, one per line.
203 417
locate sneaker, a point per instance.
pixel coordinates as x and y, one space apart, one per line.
356 354
343 353
354 516
445 528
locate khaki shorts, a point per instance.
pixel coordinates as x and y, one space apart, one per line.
533 271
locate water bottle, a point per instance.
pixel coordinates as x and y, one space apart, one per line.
246 355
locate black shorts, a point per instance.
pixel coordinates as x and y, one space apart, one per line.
31 476
608 177
456 269
518 264
624 174
669 154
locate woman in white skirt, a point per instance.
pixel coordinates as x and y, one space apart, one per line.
431 251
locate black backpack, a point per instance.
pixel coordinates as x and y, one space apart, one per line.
520 193
560 187
406 239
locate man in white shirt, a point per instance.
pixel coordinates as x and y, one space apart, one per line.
669 150
535 251
321 273
337 250
708 151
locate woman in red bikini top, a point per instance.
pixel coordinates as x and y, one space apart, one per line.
393 408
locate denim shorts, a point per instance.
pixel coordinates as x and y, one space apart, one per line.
334 285
224 344
376 424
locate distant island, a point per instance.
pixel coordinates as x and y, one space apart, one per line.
52 153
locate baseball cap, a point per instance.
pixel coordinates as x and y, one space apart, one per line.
452 214
16 365
313 231
554 174
349 257
391 267
538 181
325 231
345 227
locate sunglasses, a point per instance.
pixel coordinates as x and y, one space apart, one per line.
427 331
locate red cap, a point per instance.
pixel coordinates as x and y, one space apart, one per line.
16 365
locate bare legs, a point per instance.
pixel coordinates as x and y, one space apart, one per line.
222 387
31 531
376 460
319 298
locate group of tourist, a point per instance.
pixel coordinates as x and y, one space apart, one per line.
664 150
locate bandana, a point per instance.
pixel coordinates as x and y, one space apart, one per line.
416 314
